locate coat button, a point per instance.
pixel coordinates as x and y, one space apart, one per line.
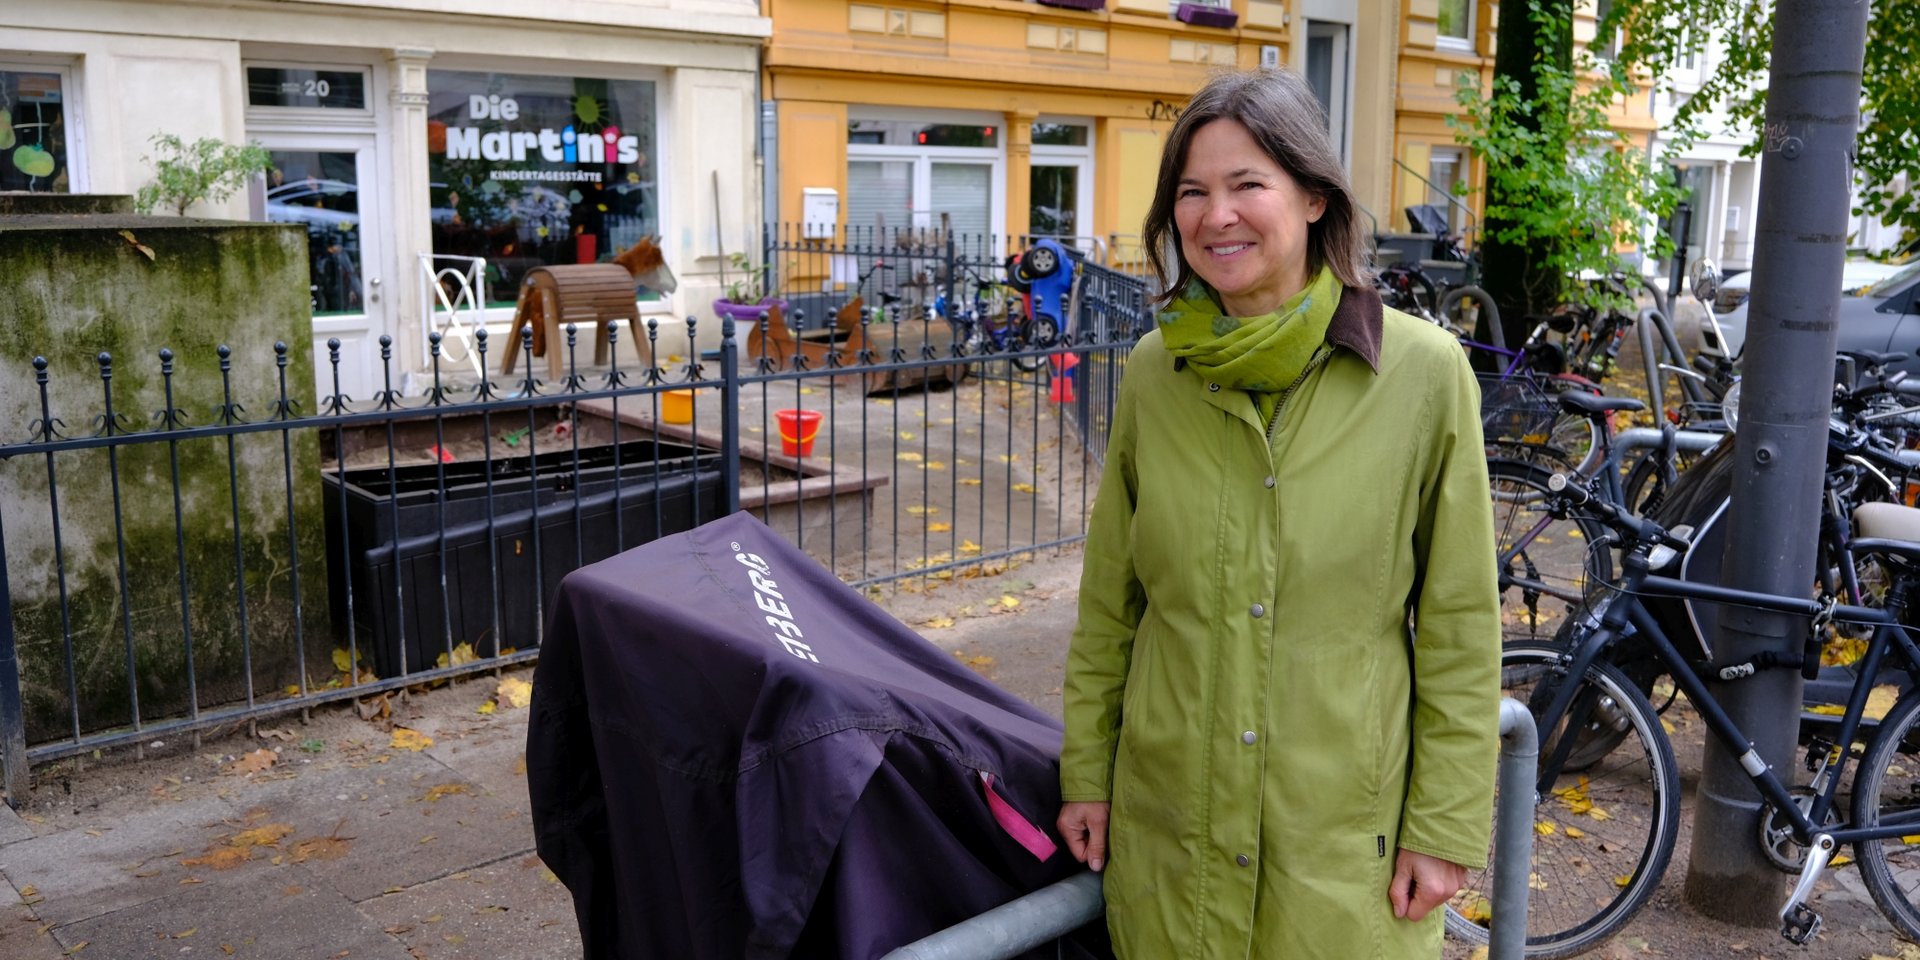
1213 388
1248 738
1258 611
1243 860
1269 482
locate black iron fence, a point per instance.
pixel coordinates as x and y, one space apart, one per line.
208 566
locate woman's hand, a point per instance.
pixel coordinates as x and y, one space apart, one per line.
1420 882
1084 826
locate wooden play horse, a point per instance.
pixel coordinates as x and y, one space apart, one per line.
588 294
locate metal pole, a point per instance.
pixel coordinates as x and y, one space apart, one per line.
13 724
729 416
1015 927
1513 830
1811 121
1677 265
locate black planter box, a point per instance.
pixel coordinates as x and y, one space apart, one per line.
1077 4
662 488
1204 15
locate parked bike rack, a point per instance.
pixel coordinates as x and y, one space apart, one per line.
1049 913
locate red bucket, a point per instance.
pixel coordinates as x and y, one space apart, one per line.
797 430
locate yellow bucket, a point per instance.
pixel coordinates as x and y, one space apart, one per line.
676 406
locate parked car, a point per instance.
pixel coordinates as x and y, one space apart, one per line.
1867 291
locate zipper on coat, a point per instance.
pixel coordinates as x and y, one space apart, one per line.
1313 362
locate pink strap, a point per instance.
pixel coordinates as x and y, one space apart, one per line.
1024 833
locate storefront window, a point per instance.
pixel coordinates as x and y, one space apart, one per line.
538 171
33 132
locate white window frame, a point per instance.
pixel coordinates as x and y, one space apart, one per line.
1081 159
311 118
72 106
1464 44
920 202
663 143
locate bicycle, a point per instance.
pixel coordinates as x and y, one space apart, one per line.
995 323
1607 772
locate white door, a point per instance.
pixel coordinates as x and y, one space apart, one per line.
328 183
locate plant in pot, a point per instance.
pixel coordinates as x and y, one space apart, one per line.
749 292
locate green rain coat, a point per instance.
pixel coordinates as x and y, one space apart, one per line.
1287 659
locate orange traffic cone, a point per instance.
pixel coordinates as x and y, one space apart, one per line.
1060 388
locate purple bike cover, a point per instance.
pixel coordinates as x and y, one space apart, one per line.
732 755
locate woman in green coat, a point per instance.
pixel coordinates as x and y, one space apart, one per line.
1281 697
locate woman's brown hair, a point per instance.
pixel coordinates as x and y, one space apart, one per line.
1281 112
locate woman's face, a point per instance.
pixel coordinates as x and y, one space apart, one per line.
1242 220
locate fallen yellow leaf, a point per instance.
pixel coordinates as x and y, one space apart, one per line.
1009 601
968 546
906 435
1622 880
515 692
909 457
265 836
405 739
939 527
1880 701
1827 709
920 511
445 790
1575 832
1026 488
940 623
485 708
970 481
1543 828
342 660
461 654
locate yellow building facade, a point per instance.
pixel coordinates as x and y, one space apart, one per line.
1017 118
1442 43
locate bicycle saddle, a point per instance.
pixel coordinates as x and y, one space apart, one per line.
1886 521
1875 358
1589 404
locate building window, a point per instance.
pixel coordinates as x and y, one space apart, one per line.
1446 173
1607 47
35 142
1455 24
919 172
1060 181
537 171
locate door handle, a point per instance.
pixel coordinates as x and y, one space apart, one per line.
373 289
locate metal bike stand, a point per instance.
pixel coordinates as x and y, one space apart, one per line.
1015 927
1513 830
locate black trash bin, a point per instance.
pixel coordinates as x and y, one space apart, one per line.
547 519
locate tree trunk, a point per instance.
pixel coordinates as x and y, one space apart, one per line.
1514 274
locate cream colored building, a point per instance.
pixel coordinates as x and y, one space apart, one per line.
408 134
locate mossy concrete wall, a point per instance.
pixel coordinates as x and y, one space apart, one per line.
73 287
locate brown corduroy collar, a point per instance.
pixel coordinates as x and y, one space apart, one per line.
1356 324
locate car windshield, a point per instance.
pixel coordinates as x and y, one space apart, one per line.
1897 281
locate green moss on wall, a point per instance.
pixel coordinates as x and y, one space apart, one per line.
130 286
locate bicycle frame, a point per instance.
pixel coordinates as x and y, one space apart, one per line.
1626 610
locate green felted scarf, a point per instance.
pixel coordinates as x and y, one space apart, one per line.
1264 354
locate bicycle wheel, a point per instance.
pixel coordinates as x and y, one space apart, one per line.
1560 558
1885 788
1464 309
1602 837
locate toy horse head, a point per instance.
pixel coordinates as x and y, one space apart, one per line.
648 266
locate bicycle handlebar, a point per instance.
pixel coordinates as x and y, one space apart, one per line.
1639 528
